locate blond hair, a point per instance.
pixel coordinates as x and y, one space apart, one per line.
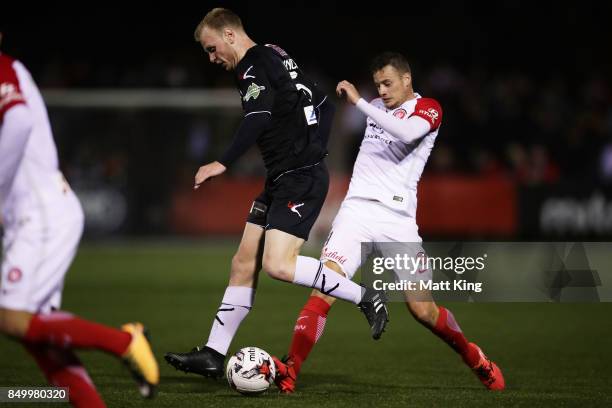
217 19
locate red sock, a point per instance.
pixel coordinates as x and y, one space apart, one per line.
64 330
63 369
308 328
448 330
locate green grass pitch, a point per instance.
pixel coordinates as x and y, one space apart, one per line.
551 354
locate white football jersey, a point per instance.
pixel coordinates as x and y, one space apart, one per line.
38 182
388 169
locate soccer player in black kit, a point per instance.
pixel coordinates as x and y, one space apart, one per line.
289 119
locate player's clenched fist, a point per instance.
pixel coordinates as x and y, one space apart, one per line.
205 172
348 89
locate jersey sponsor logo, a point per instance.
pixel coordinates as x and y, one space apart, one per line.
290 64
400 113
9 93
253 92
246 73
294 208
431 113
6 89
311 116
375 127
378 137
14 275
334 256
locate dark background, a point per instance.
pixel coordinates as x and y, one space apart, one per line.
525 89
539 38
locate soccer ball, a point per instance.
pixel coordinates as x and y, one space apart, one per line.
250 371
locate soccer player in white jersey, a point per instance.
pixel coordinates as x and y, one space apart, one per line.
380 206
43 222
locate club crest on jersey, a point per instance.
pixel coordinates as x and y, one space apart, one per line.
14 275
253 92
400 113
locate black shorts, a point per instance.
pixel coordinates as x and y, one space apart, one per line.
292 202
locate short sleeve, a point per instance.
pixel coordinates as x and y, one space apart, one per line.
430 110
10 92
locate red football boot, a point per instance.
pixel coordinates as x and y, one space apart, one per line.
488 372
285 375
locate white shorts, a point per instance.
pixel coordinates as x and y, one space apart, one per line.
37 252
365 221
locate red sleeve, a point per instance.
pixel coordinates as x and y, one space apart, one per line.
430 110
10 92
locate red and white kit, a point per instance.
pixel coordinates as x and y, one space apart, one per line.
42 217
381 202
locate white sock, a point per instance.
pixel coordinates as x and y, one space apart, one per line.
236 304
312 273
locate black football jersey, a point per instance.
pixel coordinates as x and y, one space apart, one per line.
270 82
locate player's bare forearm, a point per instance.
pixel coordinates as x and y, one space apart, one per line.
208 171
349 90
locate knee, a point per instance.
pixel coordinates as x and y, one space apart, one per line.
277 268
424 312
336 268
14 323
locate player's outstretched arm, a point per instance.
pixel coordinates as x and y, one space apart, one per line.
253 125
207 171
408 130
